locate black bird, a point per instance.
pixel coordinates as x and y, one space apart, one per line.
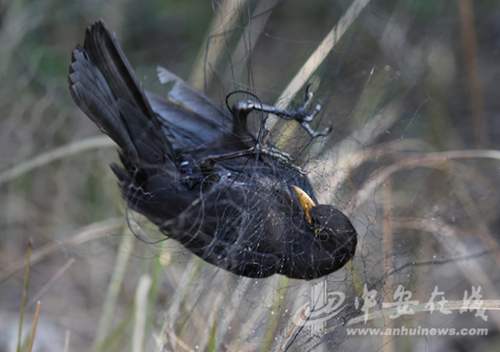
202 177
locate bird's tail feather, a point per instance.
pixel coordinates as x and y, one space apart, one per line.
103 85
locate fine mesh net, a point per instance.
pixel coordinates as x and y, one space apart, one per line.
409 89
377 166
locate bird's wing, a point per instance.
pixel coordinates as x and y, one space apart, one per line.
188 117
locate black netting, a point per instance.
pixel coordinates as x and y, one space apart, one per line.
409 89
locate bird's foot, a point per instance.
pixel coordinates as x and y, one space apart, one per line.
304 115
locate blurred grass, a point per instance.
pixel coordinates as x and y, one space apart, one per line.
394 88
24 298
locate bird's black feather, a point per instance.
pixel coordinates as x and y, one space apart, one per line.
196 173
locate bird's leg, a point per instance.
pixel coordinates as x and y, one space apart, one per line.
302 114
208 161
240 111
246 152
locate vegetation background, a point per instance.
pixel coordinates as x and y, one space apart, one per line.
411 90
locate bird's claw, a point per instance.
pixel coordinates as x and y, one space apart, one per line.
308 117
304 116
309 94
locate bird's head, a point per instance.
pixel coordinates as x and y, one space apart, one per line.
330 226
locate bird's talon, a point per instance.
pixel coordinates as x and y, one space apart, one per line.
325 132
309 93
308 118
308 97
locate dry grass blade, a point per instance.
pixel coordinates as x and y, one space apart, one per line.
466 10
235 300
425 160
391 71
141 308
208 340
88 233
54 155
294 327
260 311
225 19
338 164
316 58
122 259
17 22
67 337
249 38
388 246
470 207
176 341
24 296
34 325
273 318
303 75
52 280
172 315
472 271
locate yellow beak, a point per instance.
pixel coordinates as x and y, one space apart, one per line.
305 202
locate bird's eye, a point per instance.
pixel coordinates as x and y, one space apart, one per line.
320 234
